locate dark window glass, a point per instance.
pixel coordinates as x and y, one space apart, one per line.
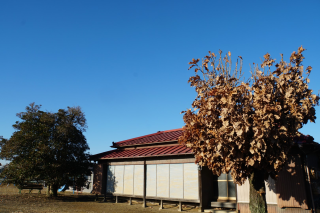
229 176
222 188
222 177
231 189
226 187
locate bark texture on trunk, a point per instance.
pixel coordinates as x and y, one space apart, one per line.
258 202
54 190
48 190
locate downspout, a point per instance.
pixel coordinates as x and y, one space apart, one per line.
313 206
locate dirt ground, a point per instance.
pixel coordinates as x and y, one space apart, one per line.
12 201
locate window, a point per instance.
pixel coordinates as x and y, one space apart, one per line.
226 187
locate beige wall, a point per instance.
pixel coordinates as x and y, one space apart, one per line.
163 180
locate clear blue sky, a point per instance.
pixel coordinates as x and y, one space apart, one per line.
125 63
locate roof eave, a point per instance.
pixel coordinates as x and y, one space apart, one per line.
149 156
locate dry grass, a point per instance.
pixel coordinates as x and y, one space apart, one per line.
12 201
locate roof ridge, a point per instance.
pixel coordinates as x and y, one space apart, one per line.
172 130
157 133
149 135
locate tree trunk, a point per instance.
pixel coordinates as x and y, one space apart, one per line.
48 190
54 190
258 202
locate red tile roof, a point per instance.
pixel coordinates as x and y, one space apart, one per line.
161 136
144 152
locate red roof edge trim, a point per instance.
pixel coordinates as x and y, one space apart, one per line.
146 152
98 156
146 156
173 130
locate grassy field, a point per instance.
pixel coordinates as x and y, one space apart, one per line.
12 201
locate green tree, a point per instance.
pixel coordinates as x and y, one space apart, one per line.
247 128
47 147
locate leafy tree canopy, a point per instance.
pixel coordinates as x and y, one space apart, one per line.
46 147
247 128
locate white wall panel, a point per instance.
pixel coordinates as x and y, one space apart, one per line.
271 195
243 192
138 180
119 179
176 180
128 179
190 175
151 180
163 180
110 179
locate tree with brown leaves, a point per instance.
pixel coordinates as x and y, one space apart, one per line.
247 128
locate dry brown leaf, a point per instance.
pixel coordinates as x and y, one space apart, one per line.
240 126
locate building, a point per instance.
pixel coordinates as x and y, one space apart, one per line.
156 167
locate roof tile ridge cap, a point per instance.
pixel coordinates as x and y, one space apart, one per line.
144 136
172 130
148 143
